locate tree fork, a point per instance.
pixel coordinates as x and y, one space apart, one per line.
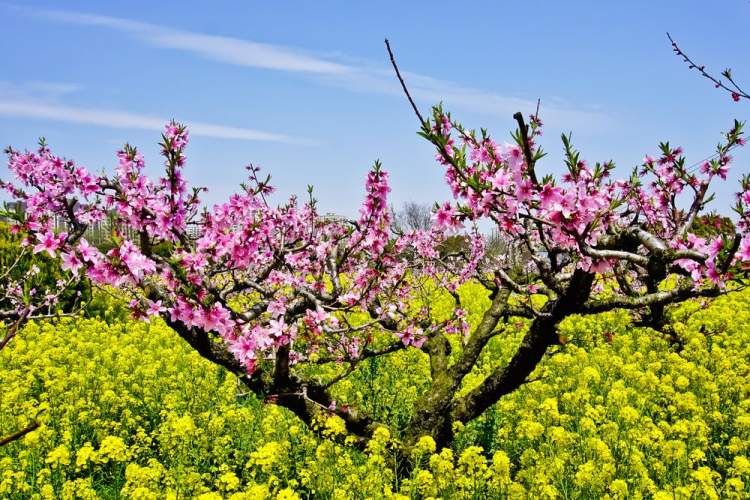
540 336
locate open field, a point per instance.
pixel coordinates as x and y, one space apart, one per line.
129 411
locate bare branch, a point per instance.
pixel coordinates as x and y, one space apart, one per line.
679 293
530 162
422 121
19 434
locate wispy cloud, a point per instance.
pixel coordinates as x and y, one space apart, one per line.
36 90
356 76
43 100
220 48
54 89
122 119
428 90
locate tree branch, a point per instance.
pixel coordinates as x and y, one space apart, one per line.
19 434
403 85
541 335
736 92
524 130
652 299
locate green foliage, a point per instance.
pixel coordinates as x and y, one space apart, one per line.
712 225
107 305
453 245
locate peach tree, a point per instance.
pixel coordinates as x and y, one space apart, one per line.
269 291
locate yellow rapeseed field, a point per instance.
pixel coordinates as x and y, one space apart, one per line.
128 410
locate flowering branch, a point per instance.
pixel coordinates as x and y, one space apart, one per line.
734 89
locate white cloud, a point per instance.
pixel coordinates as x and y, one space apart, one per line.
55 88
356 76
123 119
430 91
223 49
36 90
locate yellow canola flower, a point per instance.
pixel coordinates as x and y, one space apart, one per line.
58 457
621 415
112 448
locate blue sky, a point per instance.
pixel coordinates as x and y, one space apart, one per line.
304 89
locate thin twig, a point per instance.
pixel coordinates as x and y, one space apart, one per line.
532 380
736 92
422 121
524 131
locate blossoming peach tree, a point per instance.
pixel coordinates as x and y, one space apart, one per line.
268 291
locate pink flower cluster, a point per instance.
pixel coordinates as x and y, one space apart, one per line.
256 275
494 181
272 279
